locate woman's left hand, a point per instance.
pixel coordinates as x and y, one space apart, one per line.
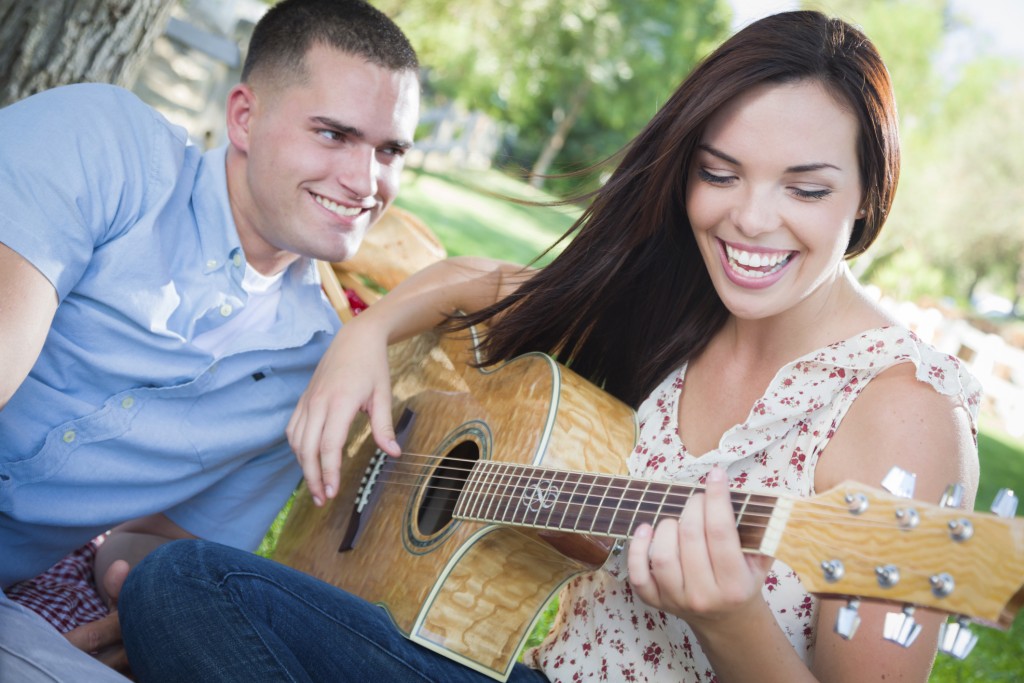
694 567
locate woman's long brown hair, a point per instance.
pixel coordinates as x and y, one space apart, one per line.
629 299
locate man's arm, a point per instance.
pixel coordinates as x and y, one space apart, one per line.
27 304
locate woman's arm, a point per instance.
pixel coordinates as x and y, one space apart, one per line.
353 374
716 588
896 421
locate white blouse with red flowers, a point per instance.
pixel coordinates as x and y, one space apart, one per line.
603 633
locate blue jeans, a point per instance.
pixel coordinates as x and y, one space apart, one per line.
199 611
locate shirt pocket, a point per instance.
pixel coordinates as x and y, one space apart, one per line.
240 419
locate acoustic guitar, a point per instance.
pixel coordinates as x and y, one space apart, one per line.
512 481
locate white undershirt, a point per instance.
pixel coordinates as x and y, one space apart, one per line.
257 316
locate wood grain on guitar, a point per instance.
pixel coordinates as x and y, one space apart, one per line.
512 481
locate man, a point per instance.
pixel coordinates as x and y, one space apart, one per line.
159 311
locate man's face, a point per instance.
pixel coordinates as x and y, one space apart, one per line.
322 158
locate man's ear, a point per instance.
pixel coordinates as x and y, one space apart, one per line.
241 105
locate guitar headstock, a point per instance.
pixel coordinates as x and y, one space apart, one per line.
857 542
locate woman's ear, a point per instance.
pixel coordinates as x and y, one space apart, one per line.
241 104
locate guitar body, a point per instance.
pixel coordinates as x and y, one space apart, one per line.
469 590
513 480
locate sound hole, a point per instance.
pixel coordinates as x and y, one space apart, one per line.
444 487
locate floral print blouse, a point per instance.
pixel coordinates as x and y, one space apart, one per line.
603 633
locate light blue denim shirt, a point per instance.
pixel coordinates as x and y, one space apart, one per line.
122 415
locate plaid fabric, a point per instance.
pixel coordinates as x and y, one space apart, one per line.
65 594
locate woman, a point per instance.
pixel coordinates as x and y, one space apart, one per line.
706 284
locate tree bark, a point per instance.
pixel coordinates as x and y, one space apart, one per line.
557 140
46 43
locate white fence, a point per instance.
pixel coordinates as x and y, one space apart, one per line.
998 365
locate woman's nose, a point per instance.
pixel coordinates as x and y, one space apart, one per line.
756 211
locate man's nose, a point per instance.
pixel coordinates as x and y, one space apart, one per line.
358 172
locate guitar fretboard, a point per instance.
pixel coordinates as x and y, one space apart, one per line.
592 504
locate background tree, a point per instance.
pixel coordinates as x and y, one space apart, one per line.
55 42
956 223
571 80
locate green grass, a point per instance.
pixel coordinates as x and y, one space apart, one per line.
999 655
468 221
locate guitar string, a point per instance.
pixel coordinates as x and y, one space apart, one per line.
850 555
524 482
739 496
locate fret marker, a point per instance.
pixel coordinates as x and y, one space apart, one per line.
541 496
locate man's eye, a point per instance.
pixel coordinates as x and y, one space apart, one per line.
331 135
394 152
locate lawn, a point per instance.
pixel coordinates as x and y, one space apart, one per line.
470 221
999 655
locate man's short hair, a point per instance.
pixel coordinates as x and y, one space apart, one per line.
290 28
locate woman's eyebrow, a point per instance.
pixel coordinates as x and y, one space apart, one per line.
718 153
800 168
804 168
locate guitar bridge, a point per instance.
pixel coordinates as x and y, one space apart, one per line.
364 497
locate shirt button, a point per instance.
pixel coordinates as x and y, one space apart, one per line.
237 260
127 402
211 264
225 310
69 436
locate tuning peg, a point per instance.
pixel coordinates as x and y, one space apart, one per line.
953 496
833 570
901 627
1005 504
900 483
960 529
956 640
847 620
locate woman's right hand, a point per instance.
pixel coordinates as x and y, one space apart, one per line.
352 376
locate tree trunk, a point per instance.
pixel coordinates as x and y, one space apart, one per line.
557 140
45 43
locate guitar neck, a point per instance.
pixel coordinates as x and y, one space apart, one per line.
591 504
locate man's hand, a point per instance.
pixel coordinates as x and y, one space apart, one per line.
102 638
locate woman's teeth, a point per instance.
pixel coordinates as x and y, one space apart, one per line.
756 264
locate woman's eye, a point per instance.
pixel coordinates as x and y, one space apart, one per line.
811 194
709 177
